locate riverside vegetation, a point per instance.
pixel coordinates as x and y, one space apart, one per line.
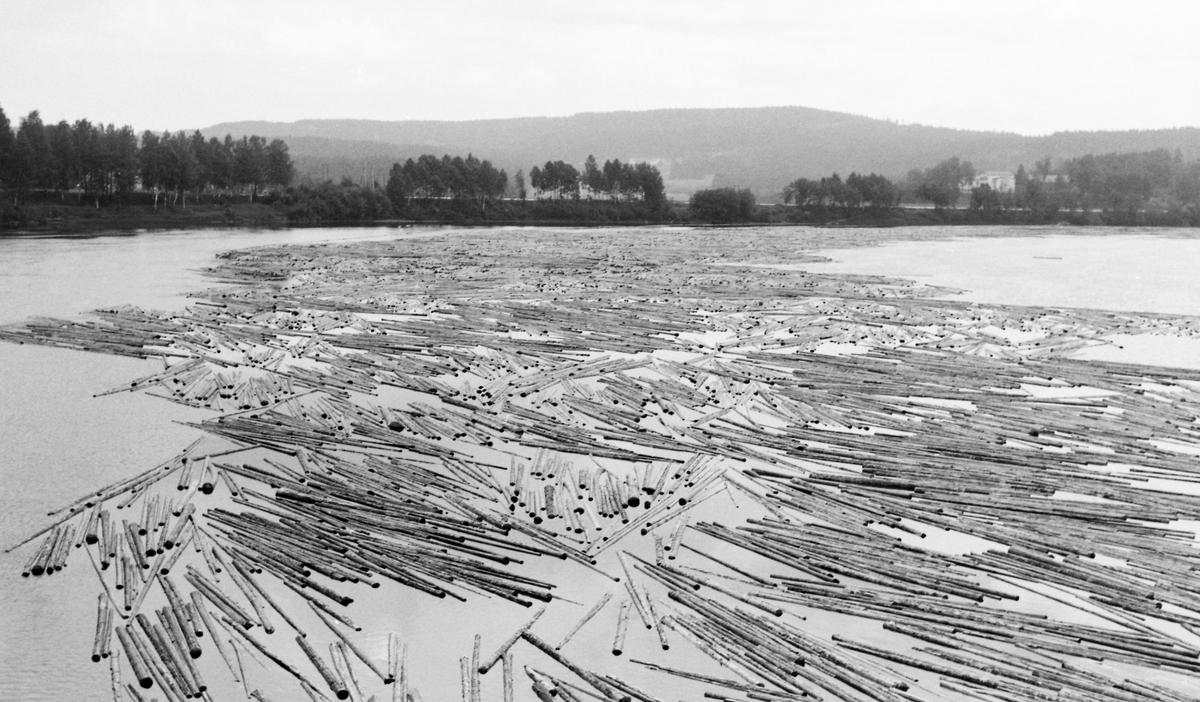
88 176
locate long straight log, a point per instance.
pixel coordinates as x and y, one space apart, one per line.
508 676
618 646
174 629
341 665
634 595
508 643
215 633
171 663
588 677
191 643
587 617
335 684
385 677
245 636
103 628
159 670
140 670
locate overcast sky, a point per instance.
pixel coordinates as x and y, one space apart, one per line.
1032 67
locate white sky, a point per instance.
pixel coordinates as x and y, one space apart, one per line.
1032 67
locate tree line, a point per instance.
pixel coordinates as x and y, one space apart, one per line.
428 178
941 185
722 205
1119 183
180 163
614 181
830 194
1120 186
104 161
457 178
871 191
1116 183
100 162
457 189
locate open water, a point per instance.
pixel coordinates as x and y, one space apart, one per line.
1145 270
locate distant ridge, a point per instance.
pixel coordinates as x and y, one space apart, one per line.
758 148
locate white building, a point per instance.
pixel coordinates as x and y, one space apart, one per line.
1000 181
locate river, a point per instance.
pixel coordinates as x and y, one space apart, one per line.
57 440
1131 271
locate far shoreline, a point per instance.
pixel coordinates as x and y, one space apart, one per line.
260 216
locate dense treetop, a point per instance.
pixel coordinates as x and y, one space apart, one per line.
615 181
431 178
722 205
871 191
96 160
1153 181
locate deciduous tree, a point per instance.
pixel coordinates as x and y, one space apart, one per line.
8 155
722 205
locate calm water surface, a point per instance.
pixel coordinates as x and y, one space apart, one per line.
1143 270
57 441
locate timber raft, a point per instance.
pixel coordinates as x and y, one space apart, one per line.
733 452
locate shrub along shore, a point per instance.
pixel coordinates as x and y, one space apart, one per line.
353 206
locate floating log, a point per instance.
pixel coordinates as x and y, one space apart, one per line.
587 617
136 662
591 679
622 627
246 637
386 677
851 458
491 661
634 595
658 626
334 682
345 671
103 628
215 633
507 671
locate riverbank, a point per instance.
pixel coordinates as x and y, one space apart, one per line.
354 206
68 218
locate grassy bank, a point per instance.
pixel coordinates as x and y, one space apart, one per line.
53 214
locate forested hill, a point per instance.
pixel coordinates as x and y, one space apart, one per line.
758 148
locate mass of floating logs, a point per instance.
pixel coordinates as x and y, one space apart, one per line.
395 411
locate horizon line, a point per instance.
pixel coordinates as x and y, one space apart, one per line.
897 122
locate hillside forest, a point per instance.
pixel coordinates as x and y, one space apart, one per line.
759 149
100 165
